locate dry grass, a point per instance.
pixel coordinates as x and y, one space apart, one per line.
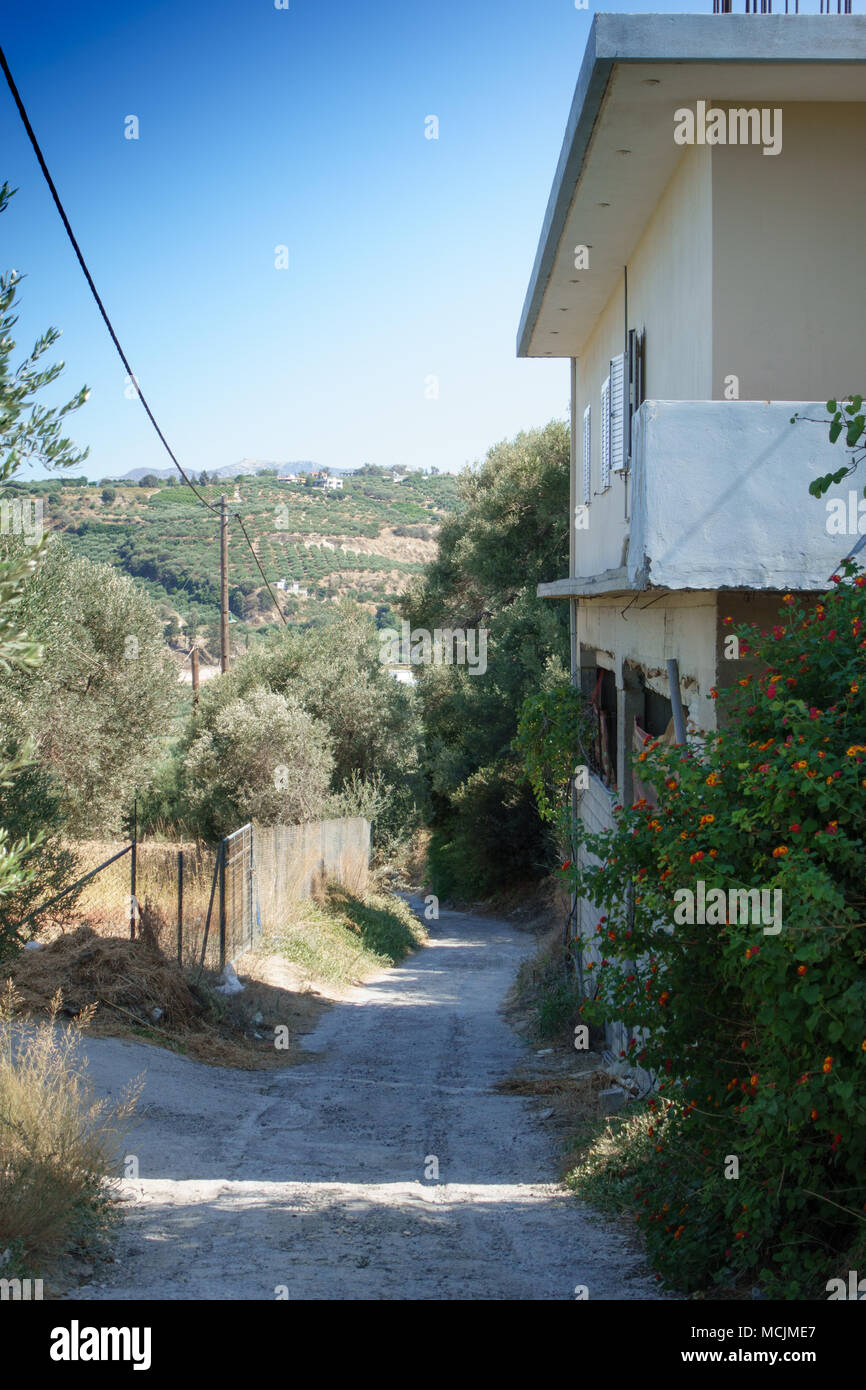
324 944
132 978
104 903
124 988
58 1144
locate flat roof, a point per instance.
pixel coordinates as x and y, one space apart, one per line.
618 152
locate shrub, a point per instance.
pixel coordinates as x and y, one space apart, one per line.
756 1035
58 1144
264 759
105 692
31 815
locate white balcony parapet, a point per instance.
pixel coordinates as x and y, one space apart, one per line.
720 496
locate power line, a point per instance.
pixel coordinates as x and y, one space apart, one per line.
239 520
107 321
88 277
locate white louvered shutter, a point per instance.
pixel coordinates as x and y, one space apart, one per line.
587 464
618 413
604 482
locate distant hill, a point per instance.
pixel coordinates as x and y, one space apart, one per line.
229 470
366 541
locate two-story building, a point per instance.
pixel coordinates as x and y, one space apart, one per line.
701 267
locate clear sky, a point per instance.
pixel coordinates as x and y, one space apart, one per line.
305 128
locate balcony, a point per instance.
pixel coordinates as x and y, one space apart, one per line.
720 496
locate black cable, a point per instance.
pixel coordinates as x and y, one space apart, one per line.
239 520
89 278
107 321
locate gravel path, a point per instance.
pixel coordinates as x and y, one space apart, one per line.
314 1182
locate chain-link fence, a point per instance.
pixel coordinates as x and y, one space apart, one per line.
209 904
239 923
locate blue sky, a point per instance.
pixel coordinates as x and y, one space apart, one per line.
304 128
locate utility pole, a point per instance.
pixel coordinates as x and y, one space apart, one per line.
224 586
194 657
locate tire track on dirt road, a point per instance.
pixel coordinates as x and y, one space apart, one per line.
311 1181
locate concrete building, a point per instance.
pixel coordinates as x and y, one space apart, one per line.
701 269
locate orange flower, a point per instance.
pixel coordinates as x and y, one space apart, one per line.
707 820
801 969
828 1064
779 851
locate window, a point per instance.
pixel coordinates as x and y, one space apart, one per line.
604 482
635 386
599 690
587 440
619 413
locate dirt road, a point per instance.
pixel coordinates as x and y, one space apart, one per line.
319 1181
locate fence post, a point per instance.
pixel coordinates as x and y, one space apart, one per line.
252 864
222 876
133 860
216 869
180 907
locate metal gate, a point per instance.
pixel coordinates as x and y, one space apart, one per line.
239 925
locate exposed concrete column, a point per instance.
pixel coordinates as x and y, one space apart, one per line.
629 706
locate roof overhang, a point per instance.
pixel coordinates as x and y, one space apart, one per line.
636 71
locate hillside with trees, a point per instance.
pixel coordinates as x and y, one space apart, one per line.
365 541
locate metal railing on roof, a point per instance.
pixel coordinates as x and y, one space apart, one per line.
791 7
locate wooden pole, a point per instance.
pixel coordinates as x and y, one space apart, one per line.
194 659
222 904
132 903
224 585
180 907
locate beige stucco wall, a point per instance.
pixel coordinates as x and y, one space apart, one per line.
670 285
789 279
670 294
751 266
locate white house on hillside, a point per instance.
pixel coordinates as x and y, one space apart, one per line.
701 268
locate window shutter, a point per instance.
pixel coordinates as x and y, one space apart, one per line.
587 441
604 483
619 413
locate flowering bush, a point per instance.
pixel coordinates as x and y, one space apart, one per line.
753 1162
